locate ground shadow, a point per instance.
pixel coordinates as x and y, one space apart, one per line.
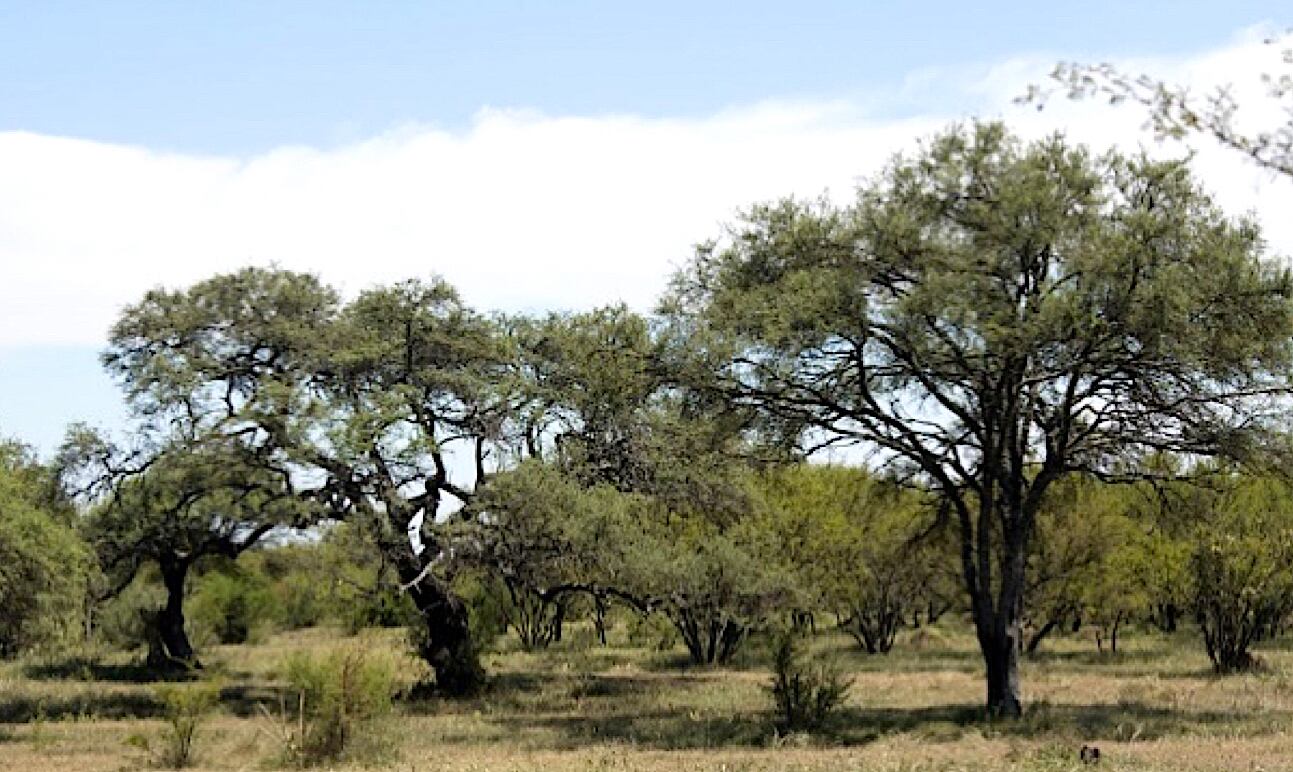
102 705
856 726
80 669
530 690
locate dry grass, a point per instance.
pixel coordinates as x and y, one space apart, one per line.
1153 706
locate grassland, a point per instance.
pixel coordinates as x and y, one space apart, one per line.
1154 705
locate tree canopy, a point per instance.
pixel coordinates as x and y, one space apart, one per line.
991 315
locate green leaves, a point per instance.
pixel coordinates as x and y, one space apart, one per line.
45 566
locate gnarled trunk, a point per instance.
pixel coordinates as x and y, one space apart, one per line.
711 638
447 645
169 644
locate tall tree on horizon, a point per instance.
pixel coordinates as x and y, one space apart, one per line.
991 316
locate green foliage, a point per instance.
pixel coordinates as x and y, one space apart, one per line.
651 631
1243 570
805 693
185 708
992 315
231 604
867 549
1089 560
716 591
549 534
486 601
122 620
339 695
45 566
301 595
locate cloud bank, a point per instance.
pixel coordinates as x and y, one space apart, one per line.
522 211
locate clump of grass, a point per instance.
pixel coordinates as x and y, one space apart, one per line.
806 694
185 708
339 696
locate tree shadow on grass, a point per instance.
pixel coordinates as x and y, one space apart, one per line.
855 726
533 690
86 669
101 705
238 699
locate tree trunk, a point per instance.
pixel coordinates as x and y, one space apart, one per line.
1166 617
558 621
999 625
169 645
1040 635
1001 655
447 645
599 617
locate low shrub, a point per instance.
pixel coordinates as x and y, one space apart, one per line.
805 694
230 606
185 708
339 695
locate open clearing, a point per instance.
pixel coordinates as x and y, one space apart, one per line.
1154 705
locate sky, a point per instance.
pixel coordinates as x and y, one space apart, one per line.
556 155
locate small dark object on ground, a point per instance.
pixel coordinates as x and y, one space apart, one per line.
1089 754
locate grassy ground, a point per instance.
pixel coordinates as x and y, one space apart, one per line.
1152 706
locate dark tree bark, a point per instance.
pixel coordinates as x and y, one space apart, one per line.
447 644
599 617
169 644
1166 617
710 639
875 629
1037 637
1001 655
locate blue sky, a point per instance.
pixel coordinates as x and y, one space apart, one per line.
240 77
539 155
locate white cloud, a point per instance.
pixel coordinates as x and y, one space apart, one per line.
520 211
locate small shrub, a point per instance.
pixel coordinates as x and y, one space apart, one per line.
339 695
230 606
652 631
299 601
805 694
185 707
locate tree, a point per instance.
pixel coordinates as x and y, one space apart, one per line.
1076 569
183 504
1177 112
1242 567
607 412
867 547
362 401
990 317
548 537
45 566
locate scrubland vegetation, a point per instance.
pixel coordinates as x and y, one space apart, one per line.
394 531
1156 704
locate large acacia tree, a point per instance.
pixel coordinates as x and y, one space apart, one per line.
990 316
174 506
358 404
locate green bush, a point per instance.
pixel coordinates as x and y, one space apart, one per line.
385 607
339 695
299 601
1243 585
652 631
44 563
230 605
185 707
805 694
122 622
